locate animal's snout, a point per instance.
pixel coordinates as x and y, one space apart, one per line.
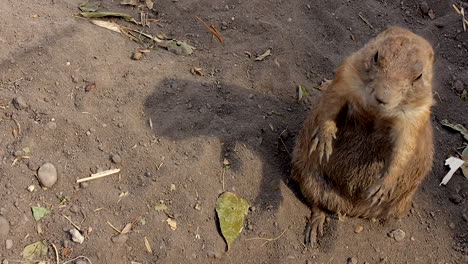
380 100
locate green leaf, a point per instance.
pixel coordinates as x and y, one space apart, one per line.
231 210
127 17
39 212
456 127
302 91
160 207
89 7
26 150
35 250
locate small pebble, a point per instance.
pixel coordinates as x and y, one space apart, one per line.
397 234
4 227
451 225
47 175
31 188
8 244
51 125
76 236
424 8
116 159
119 239
19 103
84 185
351 261
456 198
74 209
358 229
33 166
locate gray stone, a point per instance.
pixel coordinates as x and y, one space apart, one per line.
4 227
8 244
116 159
397 234
19 103
47 175
119 239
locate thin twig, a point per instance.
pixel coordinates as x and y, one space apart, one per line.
365 21
113 227
71 222
268 239
98 175
284 145
72 260
224 170
17 124
212 29
57 258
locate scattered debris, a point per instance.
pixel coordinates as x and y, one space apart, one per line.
454 165
39 212
264 55
76 236
98 175
19 103
137 55
231 210
172 45
197 70
172 223
173 187
212 29
119 239
268 239
127 228
35 250
431 14
149 4
4 227
358 229
130 2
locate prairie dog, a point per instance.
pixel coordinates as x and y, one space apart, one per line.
367 146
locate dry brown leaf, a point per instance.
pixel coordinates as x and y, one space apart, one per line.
197 70
149 4
90 87
127 228
148 246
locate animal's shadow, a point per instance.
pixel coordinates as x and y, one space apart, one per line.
182 109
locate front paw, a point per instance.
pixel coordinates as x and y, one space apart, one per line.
380 191
322 139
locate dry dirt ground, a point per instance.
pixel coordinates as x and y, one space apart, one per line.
242 110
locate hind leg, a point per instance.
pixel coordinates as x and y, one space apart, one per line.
314 227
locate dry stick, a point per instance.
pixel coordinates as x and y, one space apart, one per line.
71 260
268 239
213 30
71 222
284 145
57 258
17 124
98 175
113 227
365 21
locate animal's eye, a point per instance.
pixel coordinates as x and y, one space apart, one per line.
376 57
419 77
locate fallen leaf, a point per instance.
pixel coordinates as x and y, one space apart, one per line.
302 92
226 164
39 212
177 47
454 164
231 210
107 24
264 55
173 187
149 4
127 17
127 228
160 207
26 150
89 7
137 55
457 127
130 2
172 223
35 250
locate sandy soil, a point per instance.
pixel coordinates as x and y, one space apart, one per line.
241 109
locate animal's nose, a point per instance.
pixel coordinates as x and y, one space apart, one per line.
380 100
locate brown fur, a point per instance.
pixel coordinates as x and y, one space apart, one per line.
367 146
